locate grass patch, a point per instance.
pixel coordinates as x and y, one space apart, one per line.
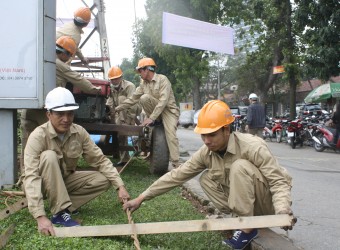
106 210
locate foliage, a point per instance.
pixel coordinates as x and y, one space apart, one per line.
106 210
318 22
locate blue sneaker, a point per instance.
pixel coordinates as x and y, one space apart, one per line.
64 219
241 239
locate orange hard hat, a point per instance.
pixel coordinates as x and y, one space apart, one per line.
114 72
83 15
67 43
213 116
144 62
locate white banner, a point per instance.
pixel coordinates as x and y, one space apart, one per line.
191 33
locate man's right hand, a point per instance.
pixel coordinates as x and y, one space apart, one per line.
133 204
45 226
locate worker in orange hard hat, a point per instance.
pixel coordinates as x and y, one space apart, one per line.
158 101
82 17
239 174
121 89
32 118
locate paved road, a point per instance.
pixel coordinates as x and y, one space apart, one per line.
315 193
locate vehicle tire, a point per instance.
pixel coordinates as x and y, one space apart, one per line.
292 142
159 152
317 146
186 126
278 135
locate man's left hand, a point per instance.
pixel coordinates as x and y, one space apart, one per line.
294 220
123 194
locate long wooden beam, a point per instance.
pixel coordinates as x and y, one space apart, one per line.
176 226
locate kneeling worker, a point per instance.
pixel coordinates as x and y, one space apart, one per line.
239 173
51 156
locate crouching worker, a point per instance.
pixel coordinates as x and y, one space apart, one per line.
51 156
239 173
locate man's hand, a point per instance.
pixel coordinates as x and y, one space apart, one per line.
118 109
246 128
133 204
123 194
147 122
45 226
85 61
98 88
294 220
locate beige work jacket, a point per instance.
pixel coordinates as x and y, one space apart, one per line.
160 88
126 89
73 31
240 146
76 143
66 74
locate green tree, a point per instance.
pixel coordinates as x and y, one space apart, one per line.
318 23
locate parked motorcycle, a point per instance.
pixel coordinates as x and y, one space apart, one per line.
296 133
324 137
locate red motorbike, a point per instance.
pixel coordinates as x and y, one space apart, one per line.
279 130
296 133
323 138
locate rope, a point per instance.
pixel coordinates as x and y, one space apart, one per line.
133 226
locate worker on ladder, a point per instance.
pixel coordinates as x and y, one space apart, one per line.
82 17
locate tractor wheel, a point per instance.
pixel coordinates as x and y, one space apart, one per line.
159 152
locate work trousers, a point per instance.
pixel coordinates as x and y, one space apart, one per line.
30 119
72 191
169 120
246 192
126 116
256 131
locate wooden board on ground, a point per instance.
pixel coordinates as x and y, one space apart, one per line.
4 237
176 226
15 207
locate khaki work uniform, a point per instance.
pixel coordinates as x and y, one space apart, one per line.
50 170
118 96
32 118
158 102
246 180
75 32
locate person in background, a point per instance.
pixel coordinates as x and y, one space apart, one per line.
121 90
51 157
256 117
32 118
239 173
336 121
158 101
82 17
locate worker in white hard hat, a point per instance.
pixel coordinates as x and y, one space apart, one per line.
74 29
256 116
51 156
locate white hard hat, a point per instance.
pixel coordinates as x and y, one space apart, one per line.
253 96
60 99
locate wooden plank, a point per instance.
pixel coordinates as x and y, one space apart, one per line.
4 237
13 208
176 226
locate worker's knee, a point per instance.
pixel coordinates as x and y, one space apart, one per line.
241 166
48 156
144 99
